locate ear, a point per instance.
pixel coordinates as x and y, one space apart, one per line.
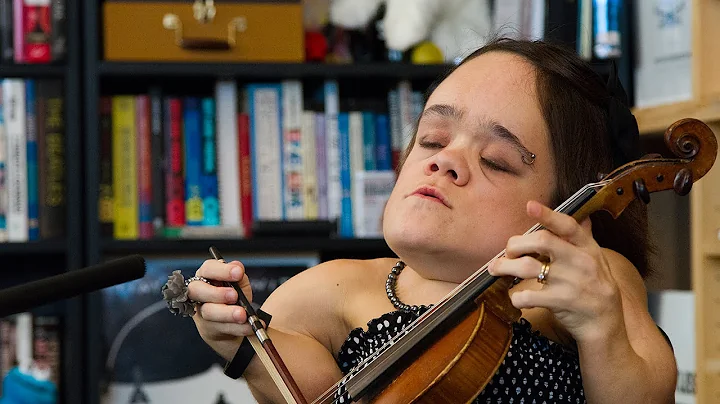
353 14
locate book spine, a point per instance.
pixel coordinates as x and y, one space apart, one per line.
32 161
345 223
321 165
36 28
192 145
209 176
144 174
368 147
228 170
158 160
383 143
125 173
174 170
58 30
292 105
334 188
266 151
106 199
51 123
3 177
245 173
7 41
17 185
310 194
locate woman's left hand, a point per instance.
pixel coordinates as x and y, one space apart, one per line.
579 287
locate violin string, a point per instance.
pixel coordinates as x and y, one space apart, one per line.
420 325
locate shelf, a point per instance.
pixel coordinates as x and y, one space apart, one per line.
274 70
37 247
655 120
38 70
264 244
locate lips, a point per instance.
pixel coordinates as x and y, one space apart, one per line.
431 193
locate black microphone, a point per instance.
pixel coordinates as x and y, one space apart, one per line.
69 284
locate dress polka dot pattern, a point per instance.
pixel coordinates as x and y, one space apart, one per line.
535 370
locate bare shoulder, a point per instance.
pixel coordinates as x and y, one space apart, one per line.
314 302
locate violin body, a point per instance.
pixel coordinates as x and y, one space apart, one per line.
456 367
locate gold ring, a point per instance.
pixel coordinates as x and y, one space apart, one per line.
542 276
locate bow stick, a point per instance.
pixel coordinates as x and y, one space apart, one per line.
264 348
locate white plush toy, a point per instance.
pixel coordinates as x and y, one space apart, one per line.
456 27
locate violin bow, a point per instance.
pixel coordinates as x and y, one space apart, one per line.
264 348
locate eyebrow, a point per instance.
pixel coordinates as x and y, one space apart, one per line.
494 127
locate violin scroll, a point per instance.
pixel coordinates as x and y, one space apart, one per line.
691 140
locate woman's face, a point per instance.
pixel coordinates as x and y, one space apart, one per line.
463 188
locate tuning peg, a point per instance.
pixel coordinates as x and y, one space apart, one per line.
683 182
641 191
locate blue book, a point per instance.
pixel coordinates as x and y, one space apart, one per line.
346 221
383 146
193 158
32 163
209 178
369 140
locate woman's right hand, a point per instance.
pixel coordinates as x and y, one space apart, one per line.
220 322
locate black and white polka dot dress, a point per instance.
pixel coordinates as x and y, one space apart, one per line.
535 370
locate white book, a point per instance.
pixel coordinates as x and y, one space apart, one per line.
371 190
16 125
332 137
292 109
407 124
3 176
228 171
309 153
266 152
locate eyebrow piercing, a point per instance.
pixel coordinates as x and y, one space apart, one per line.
528 159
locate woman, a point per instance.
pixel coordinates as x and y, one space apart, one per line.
509 134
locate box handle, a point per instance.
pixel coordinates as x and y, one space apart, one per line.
237 24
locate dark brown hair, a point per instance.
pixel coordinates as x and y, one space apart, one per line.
574 103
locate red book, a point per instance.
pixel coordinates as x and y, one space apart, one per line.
37 31
245 173
174 174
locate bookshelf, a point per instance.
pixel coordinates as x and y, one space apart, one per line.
100 75
703 218
29 261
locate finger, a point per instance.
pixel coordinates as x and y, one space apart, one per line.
541 242
558 223
523 267
206 293
222 313
216 270
529 298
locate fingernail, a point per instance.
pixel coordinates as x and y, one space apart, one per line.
236 314
230 295
235 273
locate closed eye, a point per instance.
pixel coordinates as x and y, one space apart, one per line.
494 166
430 145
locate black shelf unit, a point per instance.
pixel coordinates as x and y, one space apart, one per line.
273 70
30 261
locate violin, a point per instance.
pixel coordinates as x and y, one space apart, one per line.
452 350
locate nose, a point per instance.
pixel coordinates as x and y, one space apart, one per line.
451 163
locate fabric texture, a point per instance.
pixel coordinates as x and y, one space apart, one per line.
535 370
